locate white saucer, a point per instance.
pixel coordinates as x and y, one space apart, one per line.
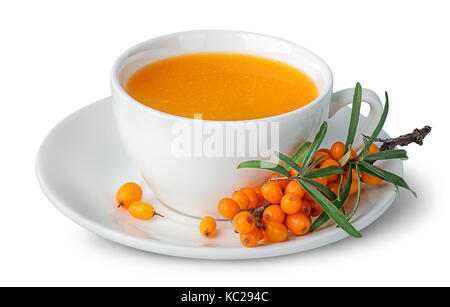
81 163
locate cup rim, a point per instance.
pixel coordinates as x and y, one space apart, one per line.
130 51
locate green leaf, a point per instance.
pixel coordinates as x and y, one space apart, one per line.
331 210
339 202
366 147
358 196
354 118
265 165
289 162
346 191
312 165
387 154
326 171
369 169
380 124
341 179
323 188
315 145
345 158
300 154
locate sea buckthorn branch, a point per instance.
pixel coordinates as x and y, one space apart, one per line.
371 174
309 180
309 165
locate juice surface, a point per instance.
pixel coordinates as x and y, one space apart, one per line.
221 86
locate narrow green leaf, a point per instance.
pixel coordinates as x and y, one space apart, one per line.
265 165
380 124
387 154
326 171
368 168
323 188
331 210
354 118
341 179
291 163
345 158
358 196
339 203
366 147
312 165
300 154
315 145
347 187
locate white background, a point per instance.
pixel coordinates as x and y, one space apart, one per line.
56 57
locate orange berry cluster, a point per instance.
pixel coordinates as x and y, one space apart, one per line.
287 206
332 156
129 197
284 209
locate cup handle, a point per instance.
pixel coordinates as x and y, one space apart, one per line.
344 97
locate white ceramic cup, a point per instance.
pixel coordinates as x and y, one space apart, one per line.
194 185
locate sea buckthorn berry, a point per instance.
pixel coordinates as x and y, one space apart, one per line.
228 208
334 187
305 208
352 154
281 183
141 210
251 238
322 180
337 150
244 222
354 187
330 162
369 179
298 223
273 213
272 192
207 226
276 232
316 209
373 149
320 154
253 199
261 233
259 194
241 199
295 187
327 151
291 203
127 194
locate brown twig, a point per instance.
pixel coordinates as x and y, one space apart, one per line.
284 178
416 136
